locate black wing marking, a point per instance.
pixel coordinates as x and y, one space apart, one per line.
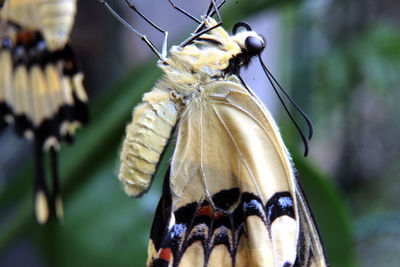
220 223
20 101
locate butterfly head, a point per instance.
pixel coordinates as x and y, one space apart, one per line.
250 43
218 53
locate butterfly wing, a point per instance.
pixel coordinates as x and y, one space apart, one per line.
54 19
310 250
231 198
42 96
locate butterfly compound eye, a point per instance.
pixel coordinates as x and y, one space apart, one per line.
254 44
241 24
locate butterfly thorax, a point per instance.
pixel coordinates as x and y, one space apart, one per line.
212 57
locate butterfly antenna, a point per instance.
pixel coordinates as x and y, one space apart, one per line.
307 119
162 56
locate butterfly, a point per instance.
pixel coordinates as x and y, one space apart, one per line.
41 91
231 196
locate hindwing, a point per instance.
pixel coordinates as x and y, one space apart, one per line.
41 86
231 197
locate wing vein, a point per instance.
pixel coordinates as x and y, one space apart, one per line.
203 178
185 186
239 152
232 105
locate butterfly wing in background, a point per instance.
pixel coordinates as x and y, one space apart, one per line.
41 90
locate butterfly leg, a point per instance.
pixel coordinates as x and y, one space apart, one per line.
202 29
163 53
164 46
184 12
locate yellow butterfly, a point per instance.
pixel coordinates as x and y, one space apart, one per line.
231 196
41 90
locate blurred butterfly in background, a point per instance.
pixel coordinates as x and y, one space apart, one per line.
41 92
231 196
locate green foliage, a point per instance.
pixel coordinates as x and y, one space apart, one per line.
372 57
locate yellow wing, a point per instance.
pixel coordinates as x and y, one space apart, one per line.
54 19
231 198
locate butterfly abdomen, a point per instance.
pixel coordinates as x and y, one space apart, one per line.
146 138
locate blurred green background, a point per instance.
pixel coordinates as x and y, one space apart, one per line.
339 59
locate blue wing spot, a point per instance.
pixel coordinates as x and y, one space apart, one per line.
280 204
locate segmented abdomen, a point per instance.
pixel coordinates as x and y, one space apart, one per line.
146 138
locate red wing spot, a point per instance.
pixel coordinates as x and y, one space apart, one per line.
25 37
165 254
219 215
205 210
